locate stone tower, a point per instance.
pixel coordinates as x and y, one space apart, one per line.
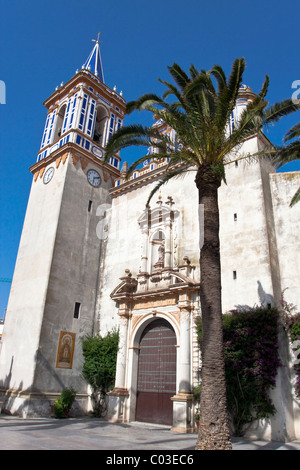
55 283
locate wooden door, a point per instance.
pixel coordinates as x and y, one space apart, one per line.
156 373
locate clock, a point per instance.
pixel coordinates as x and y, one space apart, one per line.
48 175
94 178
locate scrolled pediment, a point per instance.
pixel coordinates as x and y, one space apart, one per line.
163 284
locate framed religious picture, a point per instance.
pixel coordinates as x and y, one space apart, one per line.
65 351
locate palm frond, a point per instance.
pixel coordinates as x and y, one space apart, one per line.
296 198
193 71
182 156
258 103
171 90
235 78
134 134
135 164
164 154
165 178
199 116
268 153
287 154
228 96
200 84
275 112
142 102
249 126
264 89
179 76
292 133
219 74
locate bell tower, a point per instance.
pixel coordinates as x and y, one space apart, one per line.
57 274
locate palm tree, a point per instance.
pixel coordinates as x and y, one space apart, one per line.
289 153
200 115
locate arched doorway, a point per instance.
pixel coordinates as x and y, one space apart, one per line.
156 382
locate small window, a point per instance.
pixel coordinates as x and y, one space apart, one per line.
90 206
236 163
235 217
76 310
234 274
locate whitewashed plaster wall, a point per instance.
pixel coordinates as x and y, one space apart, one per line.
244 234
245 242
125 242
287 222
30 281
287 225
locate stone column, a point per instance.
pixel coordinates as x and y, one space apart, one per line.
185 351
117 397
168 243
122 353
168 229
183 400
144 266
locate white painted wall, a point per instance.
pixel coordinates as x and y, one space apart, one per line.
24 315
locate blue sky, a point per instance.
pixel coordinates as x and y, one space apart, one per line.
44 42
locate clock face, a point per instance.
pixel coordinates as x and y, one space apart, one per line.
48 175
94 178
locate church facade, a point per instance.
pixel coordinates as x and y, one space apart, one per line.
92 258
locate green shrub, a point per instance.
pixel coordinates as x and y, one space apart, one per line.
63 404
59 411
67 397
99 368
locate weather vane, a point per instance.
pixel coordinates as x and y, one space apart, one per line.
97 40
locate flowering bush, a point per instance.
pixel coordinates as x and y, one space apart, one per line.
291 319
251 363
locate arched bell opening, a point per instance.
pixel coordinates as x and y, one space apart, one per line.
59 122
100 126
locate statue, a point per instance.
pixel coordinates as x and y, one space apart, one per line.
161 257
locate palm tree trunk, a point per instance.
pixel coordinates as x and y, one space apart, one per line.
213 429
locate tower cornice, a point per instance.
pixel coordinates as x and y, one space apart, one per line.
74 150
85 79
